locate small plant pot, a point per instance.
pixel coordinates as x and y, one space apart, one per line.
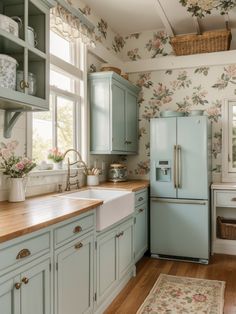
57 165
92 180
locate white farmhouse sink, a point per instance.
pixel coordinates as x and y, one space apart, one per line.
116 204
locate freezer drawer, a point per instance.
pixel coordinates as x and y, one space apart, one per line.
180 228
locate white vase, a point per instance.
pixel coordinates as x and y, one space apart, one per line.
92 180
17 187
57 165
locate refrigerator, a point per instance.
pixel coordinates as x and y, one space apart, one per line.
180 165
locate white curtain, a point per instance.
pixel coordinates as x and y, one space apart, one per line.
65 23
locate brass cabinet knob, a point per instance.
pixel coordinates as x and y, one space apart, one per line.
78 245
17 285
122 233
141 210
24 84
140 199
25 280
77 229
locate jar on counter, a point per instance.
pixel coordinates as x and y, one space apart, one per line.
31 81
118 173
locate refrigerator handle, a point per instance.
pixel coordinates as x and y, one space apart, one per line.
174 167
179 166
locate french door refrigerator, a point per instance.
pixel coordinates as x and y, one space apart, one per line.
180 150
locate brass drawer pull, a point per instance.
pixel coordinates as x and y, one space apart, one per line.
23 253
77 229
141 210
140 199
122 233
25 280
17 285
233 199
24 84
78 245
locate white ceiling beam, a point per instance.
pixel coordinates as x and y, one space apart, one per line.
164 19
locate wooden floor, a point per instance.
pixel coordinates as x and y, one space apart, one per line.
222 267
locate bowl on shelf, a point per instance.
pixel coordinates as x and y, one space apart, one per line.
171 113
198 112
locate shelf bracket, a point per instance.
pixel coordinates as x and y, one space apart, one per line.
10 118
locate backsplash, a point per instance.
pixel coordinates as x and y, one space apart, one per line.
196 88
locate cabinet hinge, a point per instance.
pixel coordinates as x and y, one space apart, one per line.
96 245
56 266
95 296
134 220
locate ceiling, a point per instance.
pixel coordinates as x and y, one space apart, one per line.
132 16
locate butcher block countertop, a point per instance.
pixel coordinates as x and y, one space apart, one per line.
35 213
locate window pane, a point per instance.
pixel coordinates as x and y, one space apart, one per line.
65 123
42 134
62 81
60 47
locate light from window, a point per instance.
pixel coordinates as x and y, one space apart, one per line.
42 135
65 123
61 81
60 47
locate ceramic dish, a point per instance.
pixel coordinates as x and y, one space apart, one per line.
171 113
196 112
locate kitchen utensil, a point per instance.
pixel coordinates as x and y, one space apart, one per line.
31 82
171 113
9 25
117 173
8 71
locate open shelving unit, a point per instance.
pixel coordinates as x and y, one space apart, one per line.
34 59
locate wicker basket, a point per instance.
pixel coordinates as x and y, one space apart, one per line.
226 228
218 40
109 68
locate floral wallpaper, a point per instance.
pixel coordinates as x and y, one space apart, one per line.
183 90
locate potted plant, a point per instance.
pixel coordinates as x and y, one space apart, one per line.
16 168
57 157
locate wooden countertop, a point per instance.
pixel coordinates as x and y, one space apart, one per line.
35 213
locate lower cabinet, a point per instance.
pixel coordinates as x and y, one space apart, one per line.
27 291
114 259
140 231
74 276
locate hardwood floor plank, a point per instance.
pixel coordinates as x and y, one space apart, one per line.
221 267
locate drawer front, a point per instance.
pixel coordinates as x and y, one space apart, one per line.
24 251
226 198
140 197
73 229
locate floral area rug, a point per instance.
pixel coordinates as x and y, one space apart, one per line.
181 295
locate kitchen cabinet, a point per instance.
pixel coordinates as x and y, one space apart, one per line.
113 114
114 260
140 225
26 290
223 205
31 57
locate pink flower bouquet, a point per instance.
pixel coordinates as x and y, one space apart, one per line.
12 165
55 155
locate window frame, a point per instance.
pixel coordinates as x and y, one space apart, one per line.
78 72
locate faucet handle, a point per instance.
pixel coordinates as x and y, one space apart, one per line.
59 188
77 183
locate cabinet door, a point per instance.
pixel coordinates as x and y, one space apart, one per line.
35 289
9 296
118 117
125 248
140 232
107 271
74 284
131 122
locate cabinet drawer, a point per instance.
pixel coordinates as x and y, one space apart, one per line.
226 198
24 251
73 229
140 197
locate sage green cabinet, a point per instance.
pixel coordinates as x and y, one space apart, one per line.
114 258
140 225
74 276
113 114
26 290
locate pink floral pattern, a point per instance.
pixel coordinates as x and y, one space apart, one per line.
178 295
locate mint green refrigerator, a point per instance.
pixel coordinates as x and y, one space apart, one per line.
180 150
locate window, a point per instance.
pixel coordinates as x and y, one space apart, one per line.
61 126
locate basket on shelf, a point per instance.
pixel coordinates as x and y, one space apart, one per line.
226 228
211 41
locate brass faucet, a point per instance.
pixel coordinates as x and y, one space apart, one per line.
69 164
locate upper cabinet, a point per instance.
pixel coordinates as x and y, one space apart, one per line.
229 141
24 54
113 114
